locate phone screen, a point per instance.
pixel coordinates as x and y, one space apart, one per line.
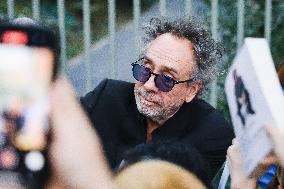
25 77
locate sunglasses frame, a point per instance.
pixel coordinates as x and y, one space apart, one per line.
156 74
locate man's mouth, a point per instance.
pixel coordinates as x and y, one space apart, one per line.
148 101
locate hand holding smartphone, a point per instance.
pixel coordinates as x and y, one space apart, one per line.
27 67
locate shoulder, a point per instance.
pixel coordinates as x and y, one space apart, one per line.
201 108
109 90
209 118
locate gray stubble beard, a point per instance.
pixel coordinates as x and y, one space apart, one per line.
159 116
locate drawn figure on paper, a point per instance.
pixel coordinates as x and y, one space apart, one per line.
242 98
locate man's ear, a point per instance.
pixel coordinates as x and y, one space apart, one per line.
192 90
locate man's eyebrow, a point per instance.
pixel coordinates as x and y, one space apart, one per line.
163 67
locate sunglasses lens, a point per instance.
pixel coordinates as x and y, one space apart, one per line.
141 73
164 83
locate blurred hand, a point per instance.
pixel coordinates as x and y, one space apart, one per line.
263 166
238 177
277 138
76 155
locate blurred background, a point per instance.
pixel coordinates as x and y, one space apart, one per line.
100 38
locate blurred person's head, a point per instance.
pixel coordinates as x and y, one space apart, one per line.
28 32
180 154
156 174
180 59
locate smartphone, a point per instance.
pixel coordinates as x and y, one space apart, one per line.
26 73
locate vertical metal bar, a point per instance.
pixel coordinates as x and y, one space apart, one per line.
87 43
163 7
241 23
11 8
214 30
188 7
214 19
36 9
61 23
268 12
111 30
136 14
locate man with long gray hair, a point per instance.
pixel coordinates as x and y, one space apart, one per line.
178 62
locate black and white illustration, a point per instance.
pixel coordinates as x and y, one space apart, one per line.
244 106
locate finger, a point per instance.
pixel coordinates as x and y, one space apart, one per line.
233 153
229 150
234 141
65 109
75 150
69 122
63 100
270 159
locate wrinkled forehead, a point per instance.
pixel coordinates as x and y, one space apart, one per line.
171 50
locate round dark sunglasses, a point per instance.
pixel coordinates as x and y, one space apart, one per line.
162 82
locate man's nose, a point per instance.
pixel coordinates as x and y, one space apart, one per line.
150 84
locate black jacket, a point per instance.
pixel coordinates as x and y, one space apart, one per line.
112 109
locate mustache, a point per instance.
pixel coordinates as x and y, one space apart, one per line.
150 96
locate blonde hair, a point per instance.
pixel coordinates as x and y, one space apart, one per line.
156 174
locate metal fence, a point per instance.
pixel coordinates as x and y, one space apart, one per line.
136 15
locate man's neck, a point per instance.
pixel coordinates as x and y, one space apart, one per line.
151 126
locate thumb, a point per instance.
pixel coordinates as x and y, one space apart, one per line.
75 151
